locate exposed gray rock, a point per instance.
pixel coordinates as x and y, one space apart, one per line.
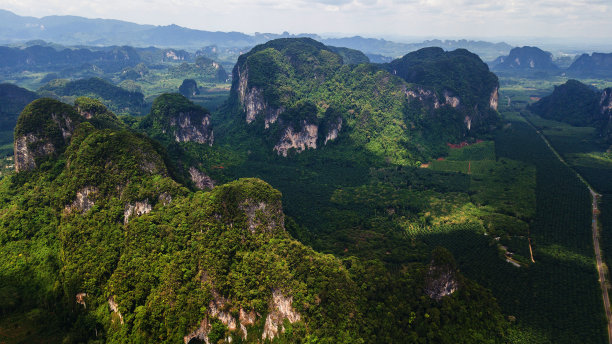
201 333
306 138
28 148
468 122
114 307
80 299
136 209
84 200
253 101
281 308
605 102
200 179
246 319
441 281
215 309
428 96
494 99
451 100
165 198
262 216
187 129
424 96
333 130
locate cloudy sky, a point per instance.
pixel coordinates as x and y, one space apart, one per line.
373 18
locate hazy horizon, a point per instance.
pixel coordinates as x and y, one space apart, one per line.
517 22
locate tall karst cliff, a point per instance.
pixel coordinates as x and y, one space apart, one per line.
304 96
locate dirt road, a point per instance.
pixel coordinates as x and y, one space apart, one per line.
600 267
601 270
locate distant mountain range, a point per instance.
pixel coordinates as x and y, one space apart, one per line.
73 30
533 61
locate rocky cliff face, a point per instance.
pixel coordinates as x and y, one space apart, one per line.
253 101
84 200
526 59
441 279
605 102
29 147
494 99
192 127
597 65
176 116
200 179
430 97
43 128
136 209
298 140
281 308
333 130
262 216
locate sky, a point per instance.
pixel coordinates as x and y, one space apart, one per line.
394 19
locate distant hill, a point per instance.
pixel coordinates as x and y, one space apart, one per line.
46 58
486 50
72 30
580 105
115 98
459 75
298 94
12 101
597 65
526 60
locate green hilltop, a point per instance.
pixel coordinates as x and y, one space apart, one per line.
102 241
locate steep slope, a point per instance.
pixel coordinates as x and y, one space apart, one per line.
578 104
572 102
597 65
104 244
43 129
303 97
459 78
526 60
174 115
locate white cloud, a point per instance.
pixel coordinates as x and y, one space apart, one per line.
443 18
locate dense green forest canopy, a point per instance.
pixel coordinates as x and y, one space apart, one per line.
293 83
103 242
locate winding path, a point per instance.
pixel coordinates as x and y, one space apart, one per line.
601 270
600 266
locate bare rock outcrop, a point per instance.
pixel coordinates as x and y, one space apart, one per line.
80 299
298 140
189 128
114 307
246 319
494 99
333 130
200 179
84 200
200 333
253 102
426 96
43 128
281 308
28 148
605 102
441 279
262 216
136 209
451 100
